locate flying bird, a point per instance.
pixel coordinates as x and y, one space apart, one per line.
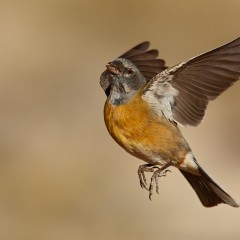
147 101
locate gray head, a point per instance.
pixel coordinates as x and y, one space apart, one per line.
121 81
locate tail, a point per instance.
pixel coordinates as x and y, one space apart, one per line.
209 193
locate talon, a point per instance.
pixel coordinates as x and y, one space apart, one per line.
150 197
141 174
160 172
156 182
142 178
154 179
150 190
151 186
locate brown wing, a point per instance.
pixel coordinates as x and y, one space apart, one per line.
145 60
202 79
198 81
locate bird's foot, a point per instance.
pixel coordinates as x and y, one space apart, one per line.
154 180
141 173
157 172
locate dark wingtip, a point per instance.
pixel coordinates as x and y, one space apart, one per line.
143 46
139 48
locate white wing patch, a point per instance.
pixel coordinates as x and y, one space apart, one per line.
160 95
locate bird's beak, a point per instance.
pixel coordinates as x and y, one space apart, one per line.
112 69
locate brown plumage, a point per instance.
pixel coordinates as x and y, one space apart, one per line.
133 126
146 100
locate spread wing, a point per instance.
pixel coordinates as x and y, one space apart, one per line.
145 60
197 81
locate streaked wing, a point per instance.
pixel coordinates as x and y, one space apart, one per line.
198 81
145 60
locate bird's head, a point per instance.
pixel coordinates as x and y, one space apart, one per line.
121 80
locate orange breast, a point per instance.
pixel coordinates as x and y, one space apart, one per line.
139 131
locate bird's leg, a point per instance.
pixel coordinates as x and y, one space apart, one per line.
158 173
161 174
141 173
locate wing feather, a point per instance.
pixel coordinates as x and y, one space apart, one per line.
198 81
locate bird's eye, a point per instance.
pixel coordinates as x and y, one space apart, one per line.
129 71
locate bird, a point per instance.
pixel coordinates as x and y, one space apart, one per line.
148 101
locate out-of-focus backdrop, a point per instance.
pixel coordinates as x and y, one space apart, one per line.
61 175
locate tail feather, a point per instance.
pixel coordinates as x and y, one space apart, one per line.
209 193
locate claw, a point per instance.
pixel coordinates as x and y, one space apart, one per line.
150 196
154 178
142 178
160 172
156 183
141 174
167 170
151 187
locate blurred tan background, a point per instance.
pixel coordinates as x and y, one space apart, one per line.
61 175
